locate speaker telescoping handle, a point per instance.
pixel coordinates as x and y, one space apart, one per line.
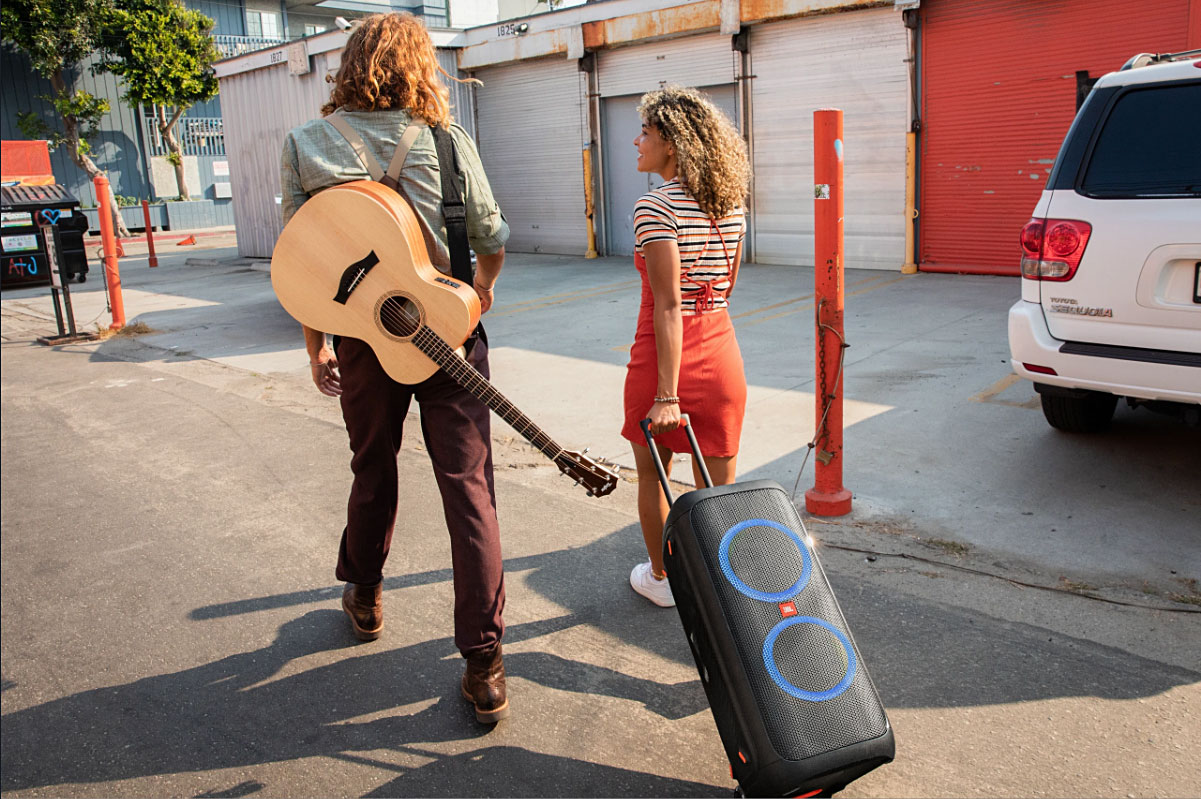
645 424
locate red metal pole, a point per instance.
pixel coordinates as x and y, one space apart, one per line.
828 497
112 274
149 234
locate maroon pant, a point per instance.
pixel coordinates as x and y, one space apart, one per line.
456 427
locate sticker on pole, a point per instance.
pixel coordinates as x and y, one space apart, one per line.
821 191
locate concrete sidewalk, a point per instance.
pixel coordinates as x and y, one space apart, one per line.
172 503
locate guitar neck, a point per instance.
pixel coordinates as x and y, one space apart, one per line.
466 375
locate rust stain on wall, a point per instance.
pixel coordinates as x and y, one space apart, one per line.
652 24
765 10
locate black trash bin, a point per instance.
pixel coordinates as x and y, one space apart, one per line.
27 215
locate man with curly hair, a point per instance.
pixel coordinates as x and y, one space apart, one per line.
387 84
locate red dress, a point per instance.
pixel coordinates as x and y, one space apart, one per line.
712 381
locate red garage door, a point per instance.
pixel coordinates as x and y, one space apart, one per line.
998 84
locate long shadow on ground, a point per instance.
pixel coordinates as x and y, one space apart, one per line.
237 712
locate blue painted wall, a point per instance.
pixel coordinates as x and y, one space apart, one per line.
227 17
117 148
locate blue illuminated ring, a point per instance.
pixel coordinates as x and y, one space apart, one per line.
723 555
769 660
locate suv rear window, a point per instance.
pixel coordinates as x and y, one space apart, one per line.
1148 146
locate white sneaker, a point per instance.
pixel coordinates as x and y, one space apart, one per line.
651 587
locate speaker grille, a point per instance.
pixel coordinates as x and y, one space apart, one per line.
766 562
810 658
809 706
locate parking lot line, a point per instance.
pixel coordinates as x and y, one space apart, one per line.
990 394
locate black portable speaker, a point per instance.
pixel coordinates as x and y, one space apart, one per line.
797 712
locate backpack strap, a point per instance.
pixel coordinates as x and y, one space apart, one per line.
453 209
357 144
391 178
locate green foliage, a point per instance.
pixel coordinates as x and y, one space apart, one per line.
33 126
84 110
55 34
174 158
162 50
125 201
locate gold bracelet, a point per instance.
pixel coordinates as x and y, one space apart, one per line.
668 400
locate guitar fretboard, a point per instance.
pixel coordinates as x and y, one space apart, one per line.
441 353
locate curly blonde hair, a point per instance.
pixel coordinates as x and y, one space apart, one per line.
389 62
710 154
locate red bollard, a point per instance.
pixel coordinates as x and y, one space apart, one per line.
112 275
828 497
149 234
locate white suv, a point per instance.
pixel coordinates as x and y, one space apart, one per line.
1111 261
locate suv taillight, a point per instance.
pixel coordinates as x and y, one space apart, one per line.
1052 248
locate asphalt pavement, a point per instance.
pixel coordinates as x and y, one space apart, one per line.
1025 600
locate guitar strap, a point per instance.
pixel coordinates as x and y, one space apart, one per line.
453 209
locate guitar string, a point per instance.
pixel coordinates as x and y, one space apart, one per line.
463 371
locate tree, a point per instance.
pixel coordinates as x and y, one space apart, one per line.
57 36
164 53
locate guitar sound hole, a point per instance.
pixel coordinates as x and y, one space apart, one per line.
400 316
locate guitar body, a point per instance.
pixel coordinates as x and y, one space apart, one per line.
352 262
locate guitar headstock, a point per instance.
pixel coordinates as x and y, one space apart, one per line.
598 480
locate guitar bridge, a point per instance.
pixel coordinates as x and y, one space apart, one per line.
354 275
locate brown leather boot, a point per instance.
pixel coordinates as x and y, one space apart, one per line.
364 604
484 685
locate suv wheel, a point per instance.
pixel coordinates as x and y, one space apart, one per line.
1082 412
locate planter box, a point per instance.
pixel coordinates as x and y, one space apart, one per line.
132 215
194 214
172 215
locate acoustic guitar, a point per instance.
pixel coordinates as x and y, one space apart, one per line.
352 262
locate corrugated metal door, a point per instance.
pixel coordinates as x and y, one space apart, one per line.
624 184
260 107
998 95
532 128
691 61
855 61
623 76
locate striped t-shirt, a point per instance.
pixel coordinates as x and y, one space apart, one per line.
669 213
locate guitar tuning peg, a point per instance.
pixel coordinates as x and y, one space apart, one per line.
585 452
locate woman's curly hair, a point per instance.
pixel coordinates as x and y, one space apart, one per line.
710 154
389 62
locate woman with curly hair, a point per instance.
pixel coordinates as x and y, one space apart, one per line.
688 247
388 90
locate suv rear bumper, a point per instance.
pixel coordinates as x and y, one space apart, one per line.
1030 342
